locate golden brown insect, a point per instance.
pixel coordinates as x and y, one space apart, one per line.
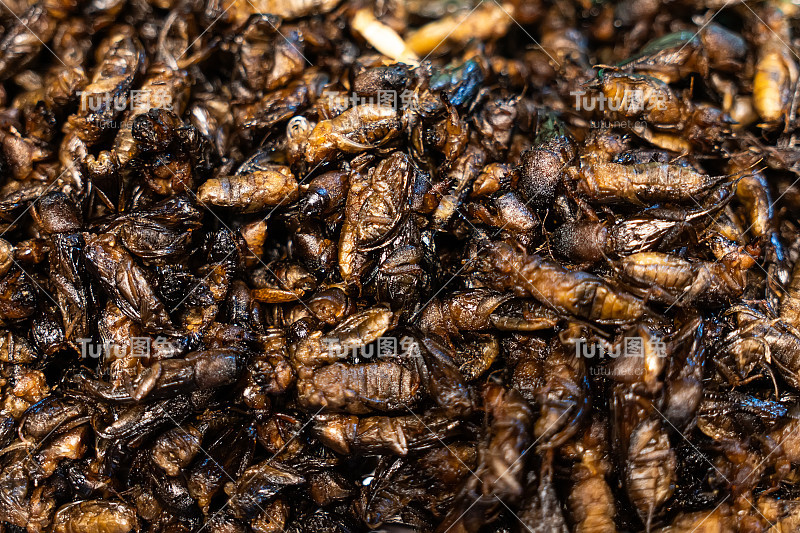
714 520
383 37
675 281
176 448
465 169
776 75
352 260
778 515
790 303
759 339
509 437
357 330
563 397
469 310
274 108
121 57
162 87
15 349
330 305
491 179
69 444
652 110
198 370
590 502
268 373
360 328
383 201
289 9
776 72
577 293
638 429
268 57
485 22
358 129
25 156
650 474
382 434
588 241
752 190
641 184
251 192
60 84
95 515
359 388
498 477
304 266
638 96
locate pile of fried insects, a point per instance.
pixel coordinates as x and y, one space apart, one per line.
451 266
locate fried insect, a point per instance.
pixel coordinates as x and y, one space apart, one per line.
250 193
676 281
638 432
590 501
97 515
356 130
662 117
397 492
487 22
541 170
198 370
22 42
122 59
563 397
258 484
359 388
776 71
641 184
282 8
126 282
499 473
676 55
577 293
589 241
382 434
